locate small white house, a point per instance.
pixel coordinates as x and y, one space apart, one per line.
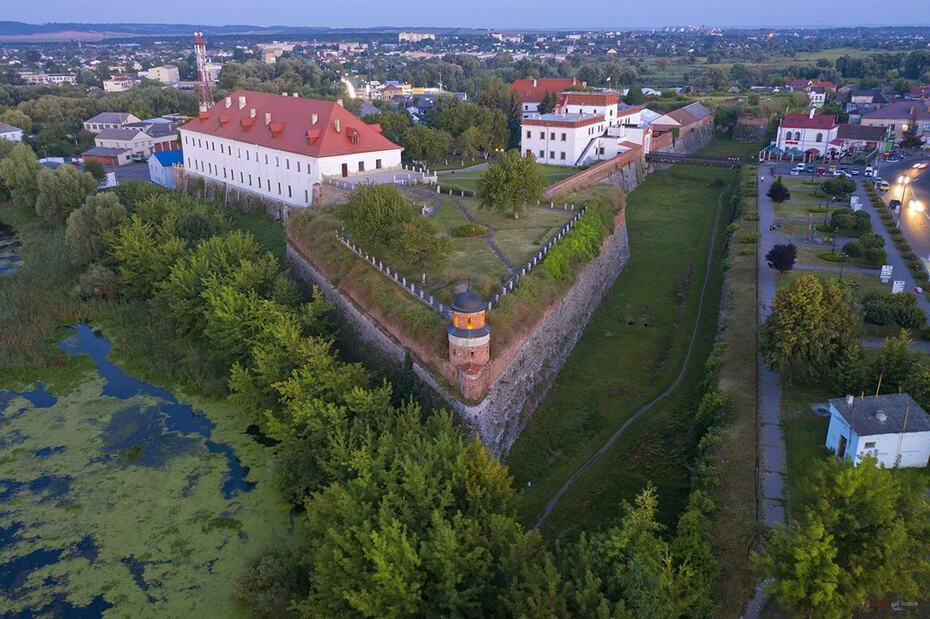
892 428
10 133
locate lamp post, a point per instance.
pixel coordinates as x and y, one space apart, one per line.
905 182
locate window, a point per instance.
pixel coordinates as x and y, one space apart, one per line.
188 162
269 184
241 180
820 137
250 180
289 194
298 166
563 156
259 181
279 189
277 162
361 166
552 135
529 134
542 154
306 196
377 164
266 158
551 154
563 137
247 156
239 153
870 445
525 108
287 164
224 171
542 135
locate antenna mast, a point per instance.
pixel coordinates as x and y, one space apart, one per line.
204 91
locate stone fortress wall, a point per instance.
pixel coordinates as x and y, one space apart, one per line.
522 374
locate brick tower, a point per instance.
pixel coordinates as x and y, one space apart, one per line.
470 344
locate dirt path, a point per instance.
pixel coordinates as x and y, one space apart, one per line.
550 505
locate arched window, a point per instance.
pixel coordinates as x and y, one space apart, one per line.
820 137
797 135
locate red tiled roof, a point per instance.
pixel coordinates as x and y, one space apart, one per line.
803 121
526 91
590 98
826 85
291 128
630 110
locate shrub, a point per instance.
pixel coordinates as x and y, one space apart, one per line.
830 256
900 309
853 249
875 256
580 245
778 192
749 238
469 230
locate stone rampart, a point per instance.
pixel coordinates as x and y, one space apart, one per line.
521 374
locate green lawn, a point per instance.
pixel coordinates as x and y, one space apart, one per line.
861 283
719 147
630 352
469 180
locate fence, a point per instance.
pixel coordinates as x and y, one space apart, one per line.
422 295
511 282
409 285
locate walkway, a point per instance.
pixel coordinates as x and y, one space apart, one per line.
550 505
472 168
772 459
488 238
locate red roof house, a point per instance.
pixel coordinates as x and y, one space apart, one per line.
533 90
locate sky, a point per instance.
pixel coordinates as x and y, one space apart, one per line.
516 14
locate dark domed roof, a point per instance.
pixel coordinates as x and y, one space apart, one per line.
468 301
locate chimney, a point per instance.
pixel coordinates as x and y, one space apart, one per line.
241 102
313 118
336 125
252 113
811 115
574 81
849 400
294 94
534 82
228 102
339 102
267 118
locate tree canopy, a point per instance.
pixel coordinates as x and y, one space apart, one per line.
510 183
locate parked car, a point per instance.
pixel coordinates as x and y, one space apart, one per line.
869 171
882 185
821 171
799 167
854 172
920 166
795 172
809 169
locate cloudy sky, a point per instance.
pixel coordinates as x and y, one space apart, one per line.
609 14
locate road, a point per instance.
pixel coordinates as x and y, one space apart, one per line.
915 224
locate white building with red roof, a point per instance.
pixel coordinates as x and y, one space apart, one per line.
283 147
807 134
530 92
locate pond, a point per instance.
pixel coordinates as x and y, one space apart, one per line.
10 259
120 498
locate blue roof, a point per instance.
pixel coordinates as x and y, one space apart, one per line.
168 158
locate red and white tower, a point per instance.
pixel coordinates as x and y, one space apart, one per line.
204 91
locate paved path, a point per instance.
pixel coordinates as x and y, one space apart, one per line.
550 505
472 168
837 269
489 238
772 460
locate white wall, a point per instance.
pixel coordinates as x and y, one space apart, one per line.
286 176
12 136
547 143
807 140
913 448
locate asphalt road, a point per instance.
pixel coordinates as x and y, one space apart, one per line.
915 224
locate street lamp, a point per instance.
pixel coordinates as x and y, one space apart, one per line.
905 182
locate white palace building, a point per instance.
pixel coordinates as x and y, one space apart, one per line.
282 147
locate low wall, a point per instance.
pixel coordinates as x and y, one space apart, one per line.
630 161
690 138
521 375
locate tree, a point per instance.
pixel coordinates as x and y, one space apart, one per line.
90 225
61 191
634 96
910 138
839 186
548 102
811 325
511 182
95 169
781 257
426 144
778 192
18 119
854 542
19 172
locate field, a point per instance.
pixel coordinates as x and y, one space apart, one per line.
468 180
630 352
719 147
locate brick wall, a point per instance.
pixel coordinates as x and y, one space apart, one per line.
594 174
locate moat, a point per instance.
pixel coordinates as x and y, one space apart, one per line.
121 498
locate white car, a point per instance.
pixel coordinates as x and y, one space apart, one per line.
795 172
920 166
869 171
799 167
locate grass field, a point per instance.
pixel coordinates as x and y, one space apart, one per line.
630 352
719 147
734 524
469 180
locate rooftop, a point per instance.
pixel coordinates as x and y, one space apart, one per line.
295 124
110 117
119 133
805 121
168 158
533 90
5 128
883 414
